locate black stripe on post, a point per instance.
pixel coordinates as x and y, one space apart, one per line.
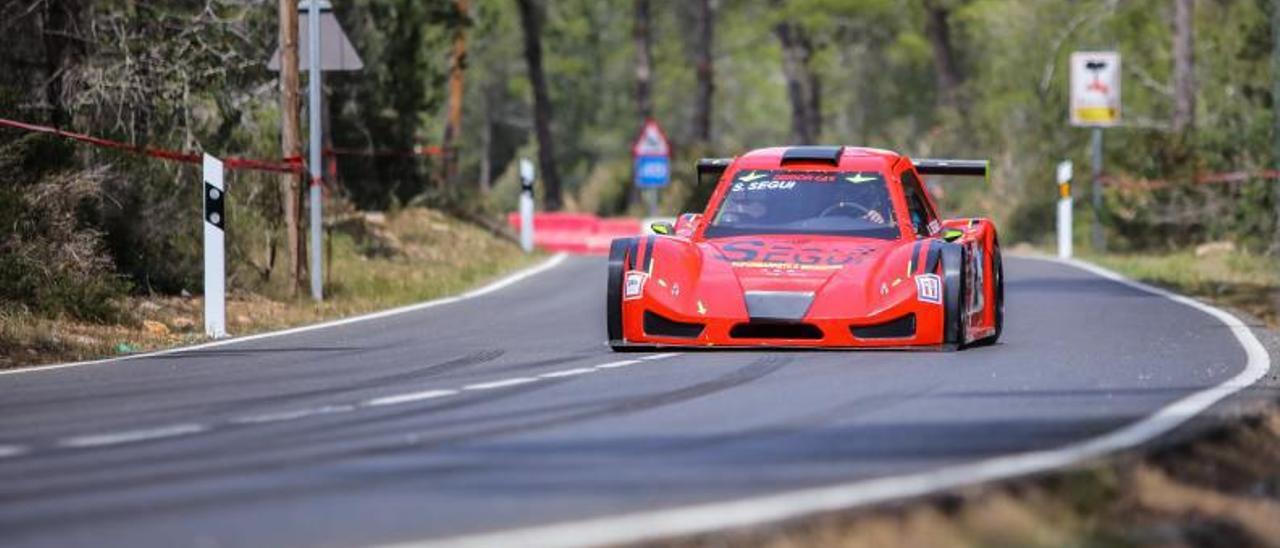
214 212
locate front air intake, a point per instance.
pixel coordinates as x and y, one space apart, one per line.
899 328
664 327
775 330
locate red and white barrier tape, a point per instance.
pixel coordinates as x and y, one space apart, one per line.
292 164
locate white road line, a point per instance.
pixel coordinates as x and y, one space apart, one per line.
96 440
130 436
641 526
12 451
613 365
410 397
291 415
568 373
516 277
500 384
661 356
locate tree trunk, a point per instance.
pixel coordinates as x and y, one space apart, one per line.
60 27
802 83
705 70
291 141
938 30
541 104
1275 120
457 70
644 60
1184 83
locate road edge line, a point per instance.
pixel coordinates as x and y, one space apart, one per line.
501 283
708 517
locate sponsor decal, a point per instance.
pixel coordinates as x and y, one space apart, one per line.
764 185
702 310
759 254
929 288
785 266
934 226
633 285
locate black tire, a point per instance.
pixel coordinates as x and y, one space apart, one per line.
955 268
613 291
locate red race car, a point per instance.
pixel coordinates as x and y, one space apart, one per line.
811 247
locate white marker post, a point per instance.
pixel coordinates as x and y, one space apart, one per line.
526 205
215 269
1064 210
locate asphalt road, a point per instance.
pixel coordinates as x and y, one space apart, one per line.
506 411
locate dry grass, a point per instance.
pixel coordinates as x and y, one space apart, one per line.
436 255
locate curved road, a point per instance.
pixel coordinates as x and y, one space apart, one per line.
505 411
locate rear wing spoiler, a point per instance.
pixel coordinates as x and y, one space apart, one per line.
713 168
971 168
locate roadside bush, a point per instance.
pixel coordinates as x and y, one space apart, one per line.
51 260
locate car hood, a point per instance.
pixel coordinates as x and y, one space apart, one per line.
794 263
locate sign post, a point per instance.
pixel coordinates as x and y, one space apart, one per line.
215 269
333 52
651 169
526 205
1095 103
1064 210
313 126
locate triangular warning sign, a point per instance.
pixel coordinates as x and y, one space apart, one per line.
652 141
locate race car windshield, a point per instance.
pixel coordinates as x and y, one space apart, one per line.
846 203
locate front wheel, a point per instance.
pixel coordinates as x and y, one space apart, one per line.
613 291
955 270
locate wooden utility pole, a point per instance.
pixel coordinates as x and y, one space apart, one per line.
290 137
1184 78
551 200
457 71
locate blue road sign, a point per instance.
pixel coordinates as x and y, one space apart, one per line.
652 171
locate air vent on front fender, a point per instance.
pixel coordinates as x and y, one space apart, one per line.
663 327
900 328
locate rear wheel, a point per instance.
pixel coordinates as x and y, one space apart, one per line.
997 269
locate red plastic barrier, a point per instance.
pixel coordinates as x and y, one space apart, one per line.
580 233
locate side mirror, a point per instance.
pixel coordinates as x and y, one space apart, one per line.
952 234
662 227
